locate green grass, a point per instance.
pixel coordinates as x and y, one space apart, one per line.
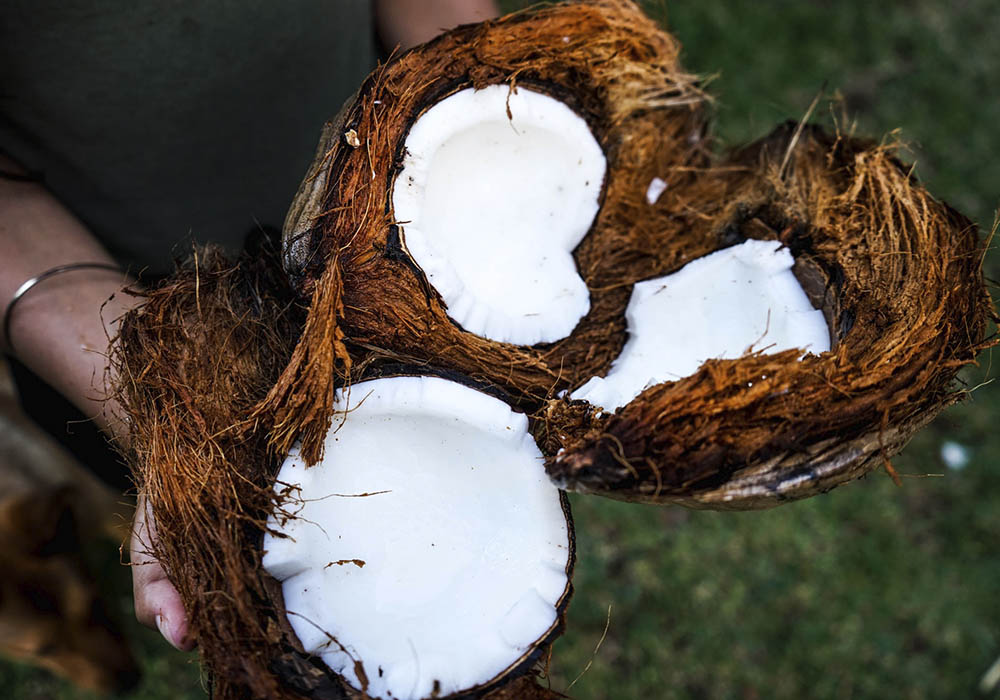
925 67
871 591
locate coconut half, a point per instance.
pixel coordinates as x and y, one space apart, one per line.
428 554
769 427
498 186
739 300
484 198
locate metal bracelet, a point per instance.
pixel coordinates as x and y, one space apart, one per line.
27 285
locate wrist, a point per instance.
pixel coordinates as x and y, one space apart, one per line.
61 326
61 329
40 278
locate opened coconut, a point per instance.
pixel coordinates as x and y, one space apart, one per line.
897 277
442 266
441 563
514 255
492 185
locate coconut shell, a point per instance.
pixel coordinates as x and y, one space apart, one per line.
868 239
898 277
615 69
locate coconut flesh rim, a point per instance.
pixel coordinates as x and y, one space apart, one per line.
428 545
497 188
724 305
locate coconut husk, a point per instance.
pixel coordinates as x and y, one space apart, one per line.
617 70
192 362
898 277
227 364
195 365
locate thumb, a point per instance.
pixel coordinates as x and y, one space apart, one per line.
157 602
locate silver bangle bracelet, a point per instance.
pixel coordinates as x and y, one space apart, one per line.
27 285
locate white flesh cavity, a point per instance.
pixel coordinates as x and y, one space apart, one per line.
492 207
737 300
463 540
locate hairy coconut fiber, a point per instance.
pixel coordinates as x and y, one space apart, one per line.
196 364
898 277
227 365
192 363
618 71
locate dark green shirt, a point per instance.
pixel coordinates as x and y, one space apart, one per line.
159 121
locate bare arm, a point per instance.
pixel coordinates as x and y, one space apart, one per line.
406 23
60 329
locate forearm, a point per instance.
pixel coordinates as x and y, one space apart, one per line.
60 327
406 23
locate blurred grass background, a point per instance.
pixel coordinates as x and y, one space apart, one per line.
871 591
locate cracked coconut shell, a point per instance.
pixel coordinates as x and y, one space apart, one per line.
614 68
897 275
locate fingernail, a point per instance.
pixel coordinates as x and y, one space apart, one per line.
164 628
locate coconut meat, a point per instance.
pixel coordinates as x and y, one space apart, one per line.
734 301
428 547
497 188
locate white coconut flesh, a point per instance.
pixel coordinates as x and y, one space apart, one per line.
735 301
429 546
496 190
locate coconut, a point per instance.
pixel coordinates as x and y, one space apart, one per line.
202 351
440 563
229 371
866 241
519 169
612 83
721 306
897 276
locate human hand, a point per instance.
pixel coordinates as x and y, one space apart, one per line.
61 330
157 602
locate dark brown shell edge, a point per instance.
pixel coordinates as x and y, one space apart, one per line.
297 246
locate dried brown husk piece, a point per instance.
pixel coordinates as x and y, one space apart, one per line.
898 275
192 362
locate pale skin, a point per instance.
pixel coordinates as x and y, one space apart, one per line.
61 328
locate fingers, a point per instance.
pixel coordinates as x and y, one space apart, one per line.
157 602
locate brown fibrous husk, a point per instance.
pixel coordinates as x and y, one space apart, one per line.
618 71
226 365
192 363
898 275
